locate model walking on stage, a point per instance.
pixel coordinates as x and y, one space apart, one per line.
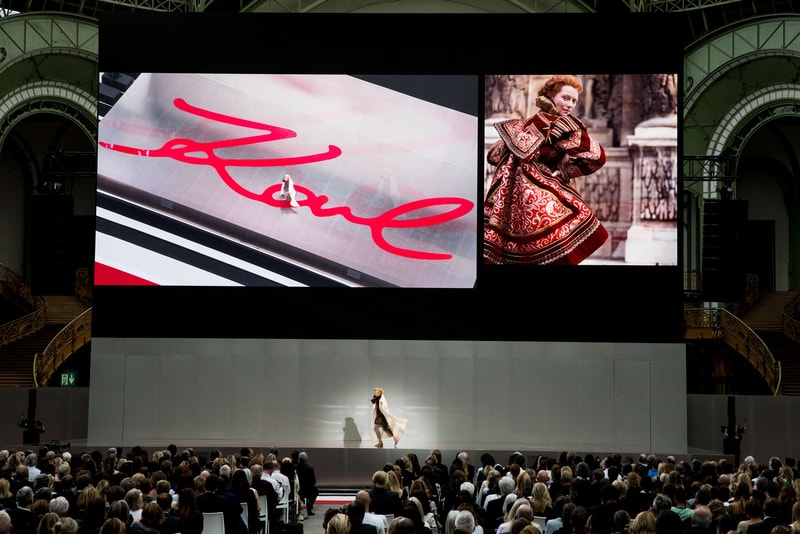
385 424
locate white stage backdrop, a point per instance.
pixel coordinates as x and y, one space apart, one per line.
586 396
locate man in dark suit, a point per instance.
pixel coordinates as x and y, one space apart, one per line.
23 520
308 482
264 487
770 518
234 524
172 522
19 479
213 499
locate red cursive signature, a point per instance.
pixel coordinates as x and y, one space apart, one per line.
203 153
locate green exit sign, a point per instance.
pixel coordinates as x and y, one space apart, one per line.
69 378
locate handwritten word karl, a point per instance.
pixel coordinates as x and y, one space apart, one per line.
203 153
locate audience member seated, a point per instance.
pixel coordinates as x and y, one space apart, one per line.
384 500
520 510
769 518
644 523
370 518
65 525
23 519
356 513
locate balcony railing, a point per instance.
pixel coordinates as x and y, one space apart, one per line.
14 286
71 338
718 324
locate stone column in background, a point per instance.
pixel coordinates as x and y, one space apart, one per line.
653 235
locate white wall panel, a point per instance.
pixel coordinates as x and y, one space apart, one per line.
510 394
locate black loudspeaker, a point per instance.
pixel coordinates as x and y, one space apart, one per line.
51 242
724 276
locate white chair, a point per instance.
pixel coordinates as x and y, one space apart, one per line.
541 521
387 520
263 517
245 514
213 523
283 505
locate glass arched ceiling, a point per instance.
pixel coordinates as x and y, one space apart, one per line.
732 76
428 6
95 7
703 16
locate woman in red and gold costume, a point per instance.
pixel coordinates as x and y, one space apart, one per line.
532 213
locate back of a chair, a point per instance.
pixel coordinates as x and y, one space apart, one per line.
245 514
541 521
284 500
213 523
262 502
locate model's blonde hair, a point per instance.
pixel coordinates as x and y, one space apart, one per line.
379 391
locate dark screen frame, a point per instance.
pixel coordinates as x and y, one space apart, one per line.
541 303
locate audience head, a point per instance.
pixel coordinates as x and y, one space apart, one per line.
466 520
524 511
668 522
364 498
661 503
621 521
355 512
380 479
134 499
120 510
539 493
701 517
328 515
59 505
518 525
25 497
152 515
405 525
46 523
5 522
644 523
598 523
506 485
338 524
65 525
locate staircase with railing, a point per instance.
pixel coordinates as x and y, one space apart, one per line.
32 346
766 332
774 318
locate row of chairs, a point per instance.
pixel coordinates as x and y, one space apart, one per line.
213 522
